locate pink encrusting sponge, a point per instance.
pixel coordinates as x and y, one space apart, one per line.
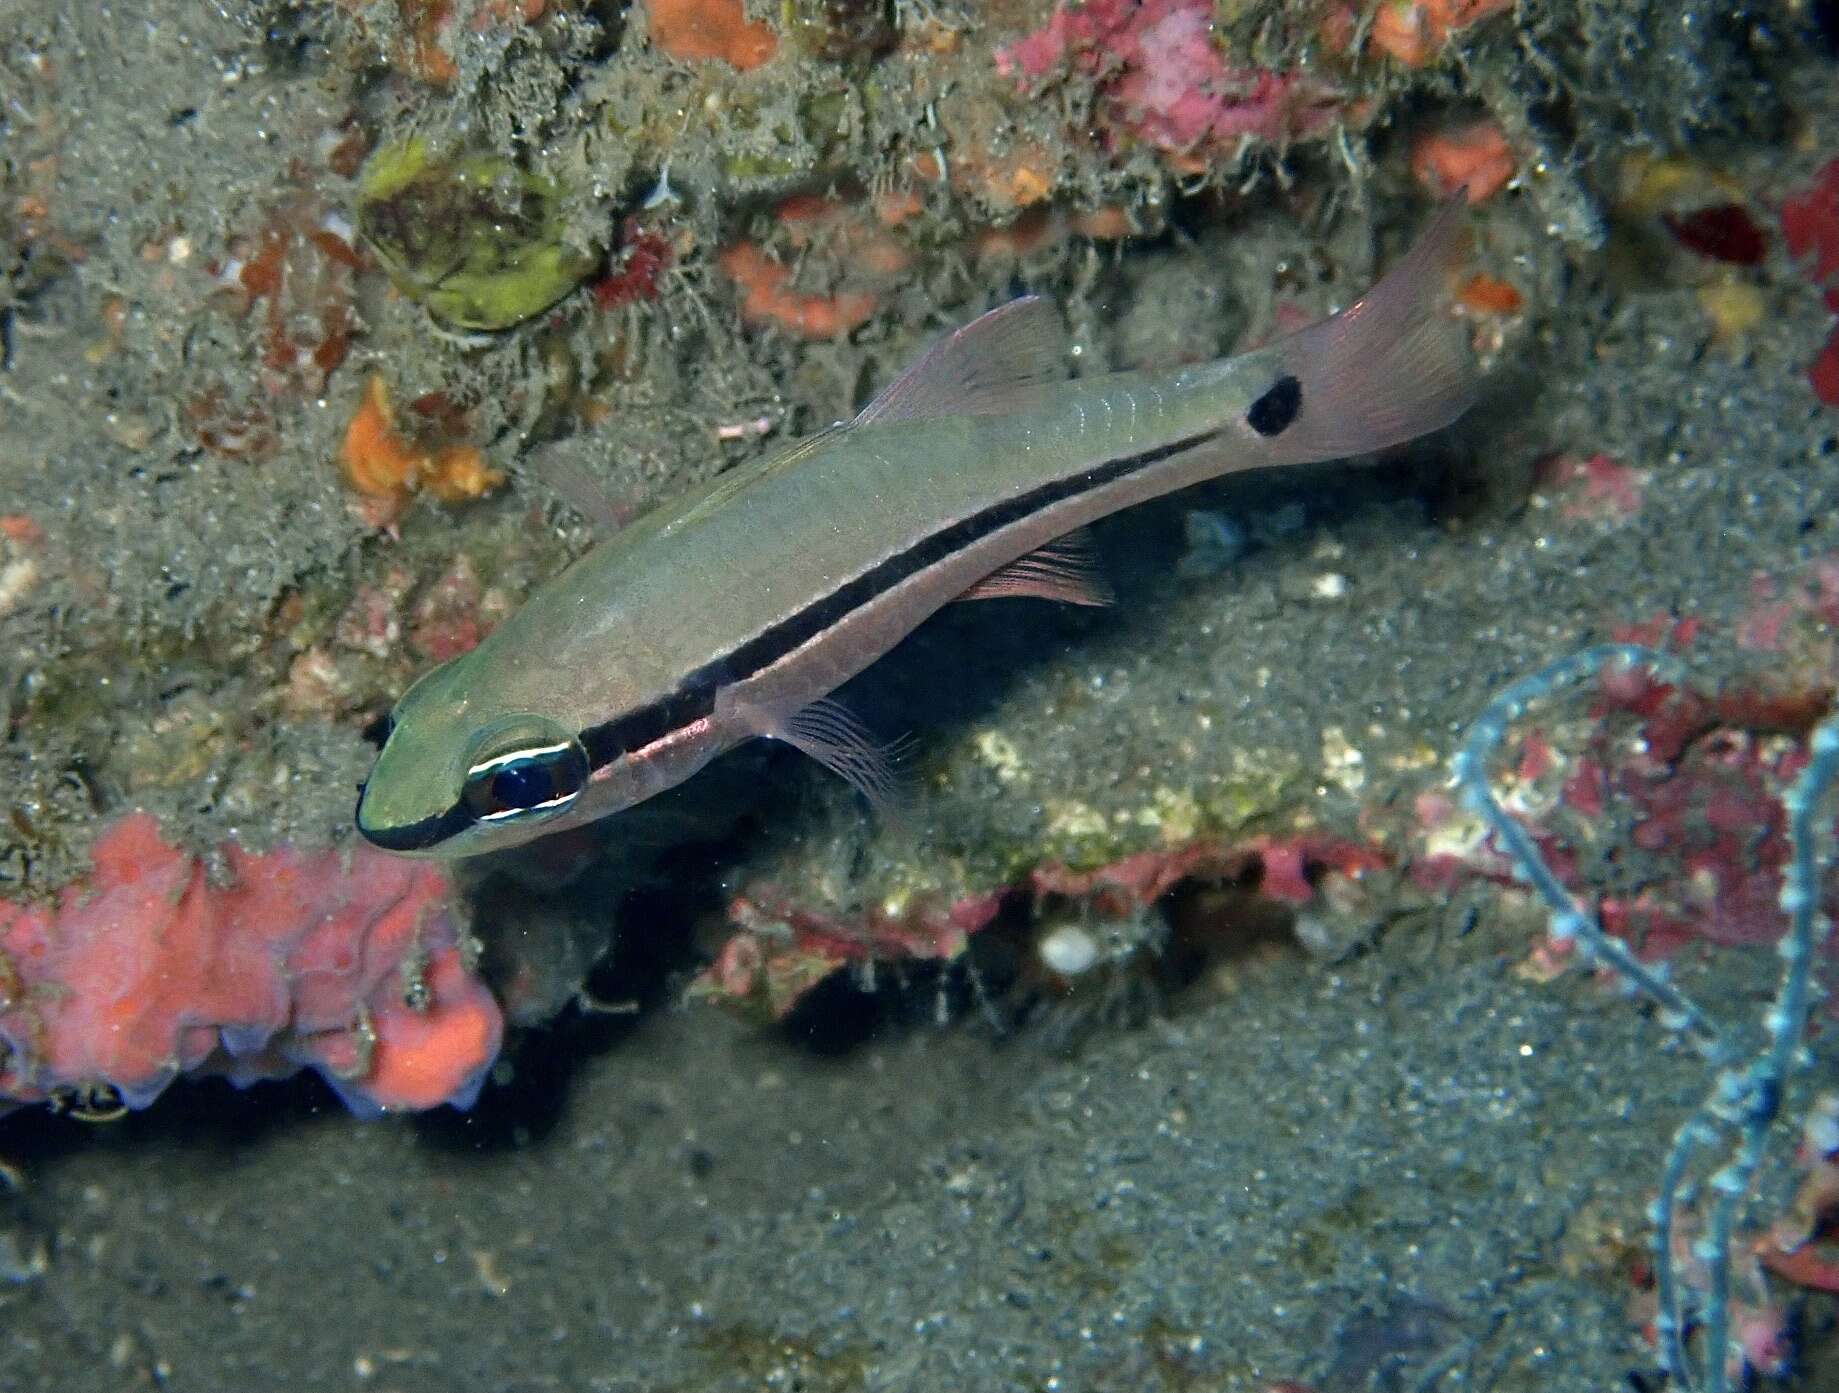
1164 80
347 962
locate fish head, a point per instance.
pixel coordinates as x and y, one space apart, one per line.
455 778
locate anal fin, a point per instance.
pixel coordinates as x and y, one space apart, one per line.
1065 570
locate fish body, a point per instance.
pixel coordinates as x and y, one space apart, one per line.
733 613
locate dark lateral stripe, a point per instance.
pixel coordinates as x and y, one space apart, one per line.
694 696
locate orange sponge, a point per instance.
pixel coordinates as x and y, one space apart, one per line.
429 1052
688 30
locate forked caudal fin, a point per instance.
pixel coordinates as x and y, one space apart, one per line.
1392 366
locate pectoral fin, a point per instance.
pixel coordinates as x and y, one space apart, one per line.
832 735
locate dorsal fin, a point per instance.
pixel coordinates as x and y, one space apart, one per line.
986 367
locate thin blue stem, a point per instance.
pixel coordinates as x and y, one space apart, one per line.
1744 1102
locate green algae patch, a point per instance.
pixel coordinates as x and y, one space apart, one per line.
475 239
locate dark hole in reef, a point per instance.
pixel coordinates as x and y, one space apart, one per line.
836 1016
636 974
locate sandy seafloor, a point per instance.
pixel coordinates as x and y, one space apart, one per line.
1396 1172
1400 1166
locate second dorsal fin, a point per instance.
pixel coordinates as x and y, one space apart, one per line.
989 365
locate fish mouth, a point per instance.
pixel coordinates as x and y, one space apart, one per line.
411 838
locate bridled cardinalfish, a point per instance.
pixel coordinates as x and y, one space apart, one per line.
735 611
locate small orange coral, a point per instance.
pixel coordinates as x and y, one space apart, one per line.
1021 179
459 474
1476 156
688 30
386 466
1414 31
766 298
854 236
1017 178
812 220
378 461
1485 294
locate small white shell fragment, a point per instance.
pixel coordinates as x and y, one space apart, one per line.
1068 949
1342 763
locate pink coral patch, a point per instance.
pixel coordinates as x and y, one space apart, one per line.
1810 226
150 969
1699 789
1599 488
1165 81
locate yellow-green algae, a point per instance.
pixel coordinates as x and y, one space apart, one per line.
476 239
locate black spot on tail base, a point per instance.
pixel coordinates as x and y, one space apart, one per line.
1273 412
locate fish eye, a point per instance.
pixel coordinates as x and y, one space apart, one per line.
525 780
1273 412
